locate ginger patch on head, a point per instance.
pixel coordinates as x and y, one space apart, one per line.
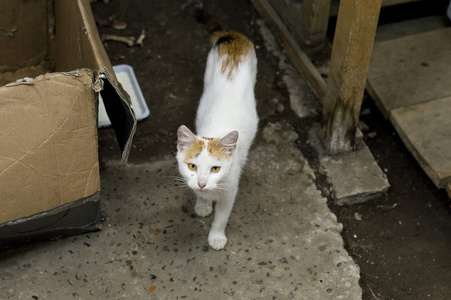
194 150
233 46
215 149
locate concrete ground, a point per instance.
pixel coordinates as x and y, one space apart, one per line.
284 243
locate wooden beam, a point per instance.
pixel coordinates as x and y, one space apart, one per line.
289 11
313 21
306 21
385 3
351 52
292 49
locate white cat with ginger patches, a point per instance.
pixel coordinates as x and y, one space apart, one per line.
226 123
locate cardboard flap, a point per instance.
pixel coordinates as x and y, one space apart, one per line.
75 25
124 124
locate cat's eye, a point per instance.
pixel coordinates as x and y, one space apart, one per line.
192 167
215 169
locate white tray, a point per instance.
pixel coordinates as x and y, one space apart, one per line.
126 77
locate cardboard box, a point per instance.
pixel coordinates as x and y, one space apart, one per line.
49 169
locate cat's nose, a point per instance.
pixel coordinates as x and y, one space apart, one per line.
202 183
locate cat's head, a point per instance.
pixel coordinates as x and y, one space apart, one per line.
203 161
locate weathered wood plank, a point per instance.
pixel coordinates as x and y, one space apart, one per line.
314 20
385 3
351 52
301 61
410 70
306 21
290 12
425 129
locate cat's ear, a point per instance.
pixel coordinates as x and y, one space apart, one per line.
185 138
228 143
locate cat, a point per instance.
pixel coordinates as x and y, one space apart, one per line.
211 161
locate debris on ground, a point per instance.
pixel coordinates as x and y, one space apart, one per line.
111 21
128 40
142 36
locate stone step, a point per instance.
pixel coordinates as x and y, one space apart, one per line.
425 129
410 70
409 79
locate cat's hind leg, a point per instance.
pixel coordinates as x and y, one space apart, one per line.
203 207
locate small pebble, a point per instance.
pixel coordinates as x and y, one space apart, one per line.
222 270
280 108
358 216
372 135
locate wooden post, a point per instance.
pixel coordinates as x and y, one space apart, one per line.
313 21
301 61
351 53
306 21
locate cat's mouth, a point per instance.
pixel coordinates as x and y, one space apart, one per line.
204 190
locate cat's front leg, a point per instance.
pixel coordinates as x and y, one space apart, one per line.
203 206
217 238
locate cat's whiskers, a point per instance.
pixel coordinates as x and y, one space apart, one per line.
180 187
221 189
180 182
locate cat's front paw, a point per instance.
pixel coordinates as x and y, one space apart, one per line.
217 241
203 210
